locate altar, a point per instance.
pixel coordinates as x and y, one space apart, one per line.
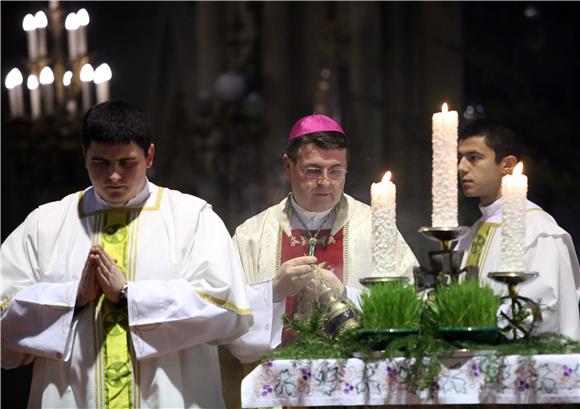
479 379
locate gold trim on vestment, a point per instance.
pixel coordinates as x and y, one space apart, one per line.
5 304
345 254
224 303
156 205
278 249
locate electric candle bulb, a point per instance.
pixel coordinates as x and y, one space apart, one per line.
32 85
67 78
13 83
72 25
103 75
29 25
41 23
83 21
87 76
46 80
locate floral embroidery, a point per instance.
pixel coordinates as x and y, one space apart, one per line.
355 382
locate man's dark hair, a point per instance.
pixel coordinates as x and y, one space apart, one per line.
323 140
115 122
498 137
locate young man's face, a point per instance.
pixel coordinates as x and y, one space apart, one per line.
118 171
317 194
479 173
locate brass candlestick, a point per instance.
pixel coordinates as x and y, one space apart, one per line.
518 303
445 263
368 282
445 235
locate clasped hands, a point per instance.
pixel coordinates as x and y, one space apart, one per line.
100 274
302 273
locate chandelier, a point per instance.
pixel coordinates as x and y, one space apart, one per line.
57 83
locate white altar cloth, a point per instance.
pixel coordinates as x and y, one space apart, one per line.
352 382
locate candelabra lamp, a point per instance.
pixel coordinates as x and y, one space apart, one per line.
56 80
444 264
523 314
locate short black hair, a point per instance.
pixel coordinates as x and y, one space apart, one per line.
114 122
324 140
499 137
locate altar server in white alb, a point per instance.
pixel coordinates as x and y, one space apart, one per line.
118 293
487 152
317 234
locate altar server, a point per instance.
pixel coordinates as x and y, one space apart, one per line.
487 152
118 293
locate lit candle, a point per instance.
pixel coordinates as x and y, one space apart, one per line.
444 182
87 76
384 226
32 84
83 20
29 25
102 77
41 22
46 80
72 25
13 83
514 190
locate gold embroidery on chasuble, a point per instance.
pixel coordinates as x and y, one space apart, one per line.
480 244
116 369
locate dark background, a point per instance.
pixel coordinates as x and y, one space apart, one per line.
391 65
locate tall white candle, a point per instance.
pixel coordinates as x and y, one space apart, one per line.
103 75
72 25
514 190
32 84
83 20
13 83
87 76
384 226
29 25
444 183
47 80
41 23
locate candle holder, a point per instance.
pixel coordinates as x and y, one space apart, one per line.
445 235
369 282
519 305
445 264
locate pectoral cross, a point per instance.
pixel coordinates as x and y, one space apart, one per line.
312 242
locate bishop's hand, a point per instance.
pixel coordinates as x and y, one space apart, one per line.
321 278
294 275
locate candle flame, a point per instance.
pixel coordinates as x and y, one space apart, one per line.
444 107
518 169
387 177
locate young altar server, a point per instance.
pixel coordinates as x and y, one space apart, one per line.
488 151
118 293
